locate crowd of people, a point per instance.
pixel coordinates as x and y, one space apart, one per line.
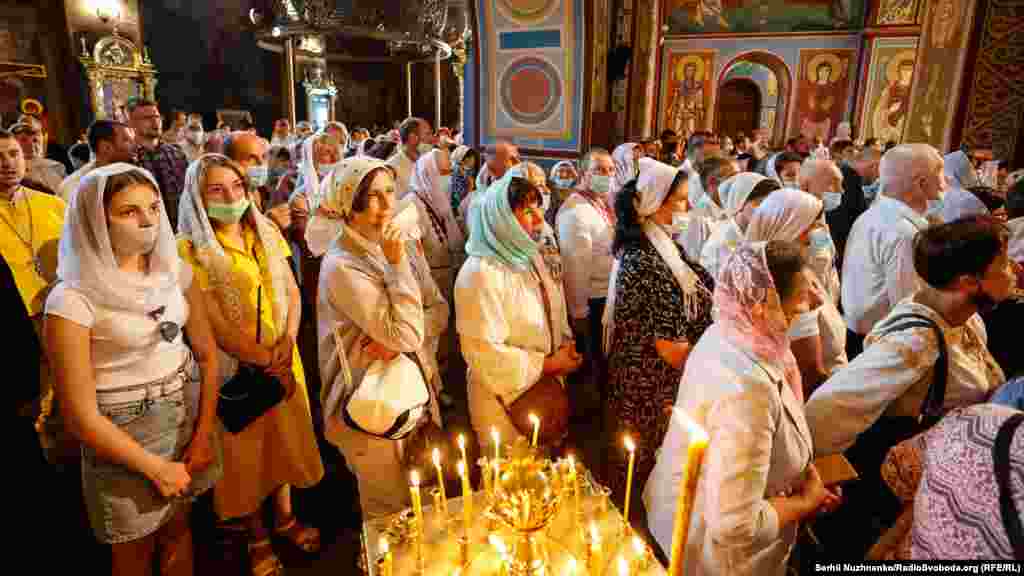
202 308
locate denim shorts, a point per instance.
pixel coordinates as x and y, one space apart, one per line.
123 504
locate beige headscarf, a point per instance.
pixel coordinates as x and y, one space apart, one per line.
339 192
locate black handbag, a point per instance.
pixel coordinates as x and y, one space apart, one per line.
251 392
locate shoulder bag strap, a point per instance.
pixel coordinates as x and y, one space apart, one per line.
1007 508
931 407
440 228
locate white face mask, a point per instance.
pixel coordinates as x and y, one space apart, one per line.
326 169
821 241
423 148
258 175
130 240
545 202
194 136
832 200
790 184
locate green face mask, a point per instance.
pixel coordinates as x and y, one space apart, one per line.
227 213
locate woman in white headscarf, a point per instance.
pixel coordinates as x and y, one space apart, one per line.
142 404
378 301
240 264
626 158
563 177
958 201
817 337
340 133
740 194
442 238
659 304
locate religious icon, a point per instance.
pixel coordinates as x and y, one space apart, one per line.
823 94
889 114
892 12
946 16
688 106
696 10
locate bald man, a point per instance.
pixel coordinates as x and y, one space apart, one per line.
416 137
250 152
505 156
821 178
878 268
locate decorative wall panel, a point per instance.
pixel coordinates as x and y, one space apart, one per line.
889 80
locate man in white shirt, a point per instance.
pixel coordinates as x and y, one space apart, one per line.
892 389
416 136
708 213
49 173
110 142
505 156
822 179
878 267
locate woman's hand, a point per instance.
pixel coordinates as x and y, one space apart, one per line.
171 478
391 244
281 216
199 454
673 353
815 496
281 354
378 351
565 361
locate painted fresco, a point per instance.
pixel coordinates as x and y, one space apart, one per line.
823 91
728 51
759 74
897 12
706 16
887 90
690 91
531 72
940 61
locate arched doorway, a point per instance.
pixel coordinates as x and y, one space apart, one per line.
739 107
777 116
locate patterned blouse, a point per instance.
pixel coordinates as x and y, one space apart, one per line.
649 307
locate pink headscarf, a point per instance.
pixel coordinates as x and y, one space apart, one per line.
750 311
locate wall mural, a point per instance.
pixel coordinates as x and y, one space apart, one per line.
823 91
940 62
703 16
767 83
22 73
785 51
887 89
531 72
897 12
690 91
995 114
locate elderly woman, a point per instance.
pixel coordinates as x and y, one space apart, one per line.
647 345
377 300
142 404
818 337
960 201
510 313
465 163
757 482
442 238
240 264
548 238
741 195
563 177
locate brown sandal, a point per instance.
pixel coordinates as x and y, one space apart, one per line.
265 562
305 538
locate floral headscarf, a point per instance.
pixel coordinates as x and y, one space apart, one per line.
340 188
750 310
426 182
460 180
735 191
626 166
494 231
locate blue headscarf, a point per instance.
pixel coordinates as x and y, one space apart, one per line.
494 230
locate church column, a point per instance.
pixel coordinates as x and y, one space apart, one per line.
289 80
643 69
459 58
408 89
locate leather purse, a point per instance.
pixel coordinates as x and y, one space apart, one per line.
251 392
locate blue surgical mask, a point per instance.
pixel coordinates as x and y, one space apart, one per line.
564 182
821 241
791 184
258 175
871 190
832 200
600 184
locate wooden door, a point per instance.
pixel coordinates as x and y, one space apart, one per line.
739 107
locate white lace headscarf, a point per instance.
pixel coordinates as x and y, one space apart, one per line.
194 225
340 188
426 182
86 258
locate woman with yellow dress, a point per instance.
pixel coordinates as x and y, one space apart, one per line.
240 262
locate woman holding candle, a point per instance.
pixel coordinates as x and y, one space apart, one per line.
659 303
757 481
511 314
378 297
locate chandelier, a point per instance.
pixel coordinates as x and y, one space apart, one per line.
395 20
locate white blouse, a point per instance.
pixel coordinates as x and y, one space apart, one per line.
127 348
759 447
893 374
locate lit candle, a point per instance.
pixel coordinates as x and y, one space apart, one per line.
623 566
386 560
467 497
572 566
575 485
640 554
631 448
497 445
417 505
594 549
698 439
536 428
462 447
440 481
